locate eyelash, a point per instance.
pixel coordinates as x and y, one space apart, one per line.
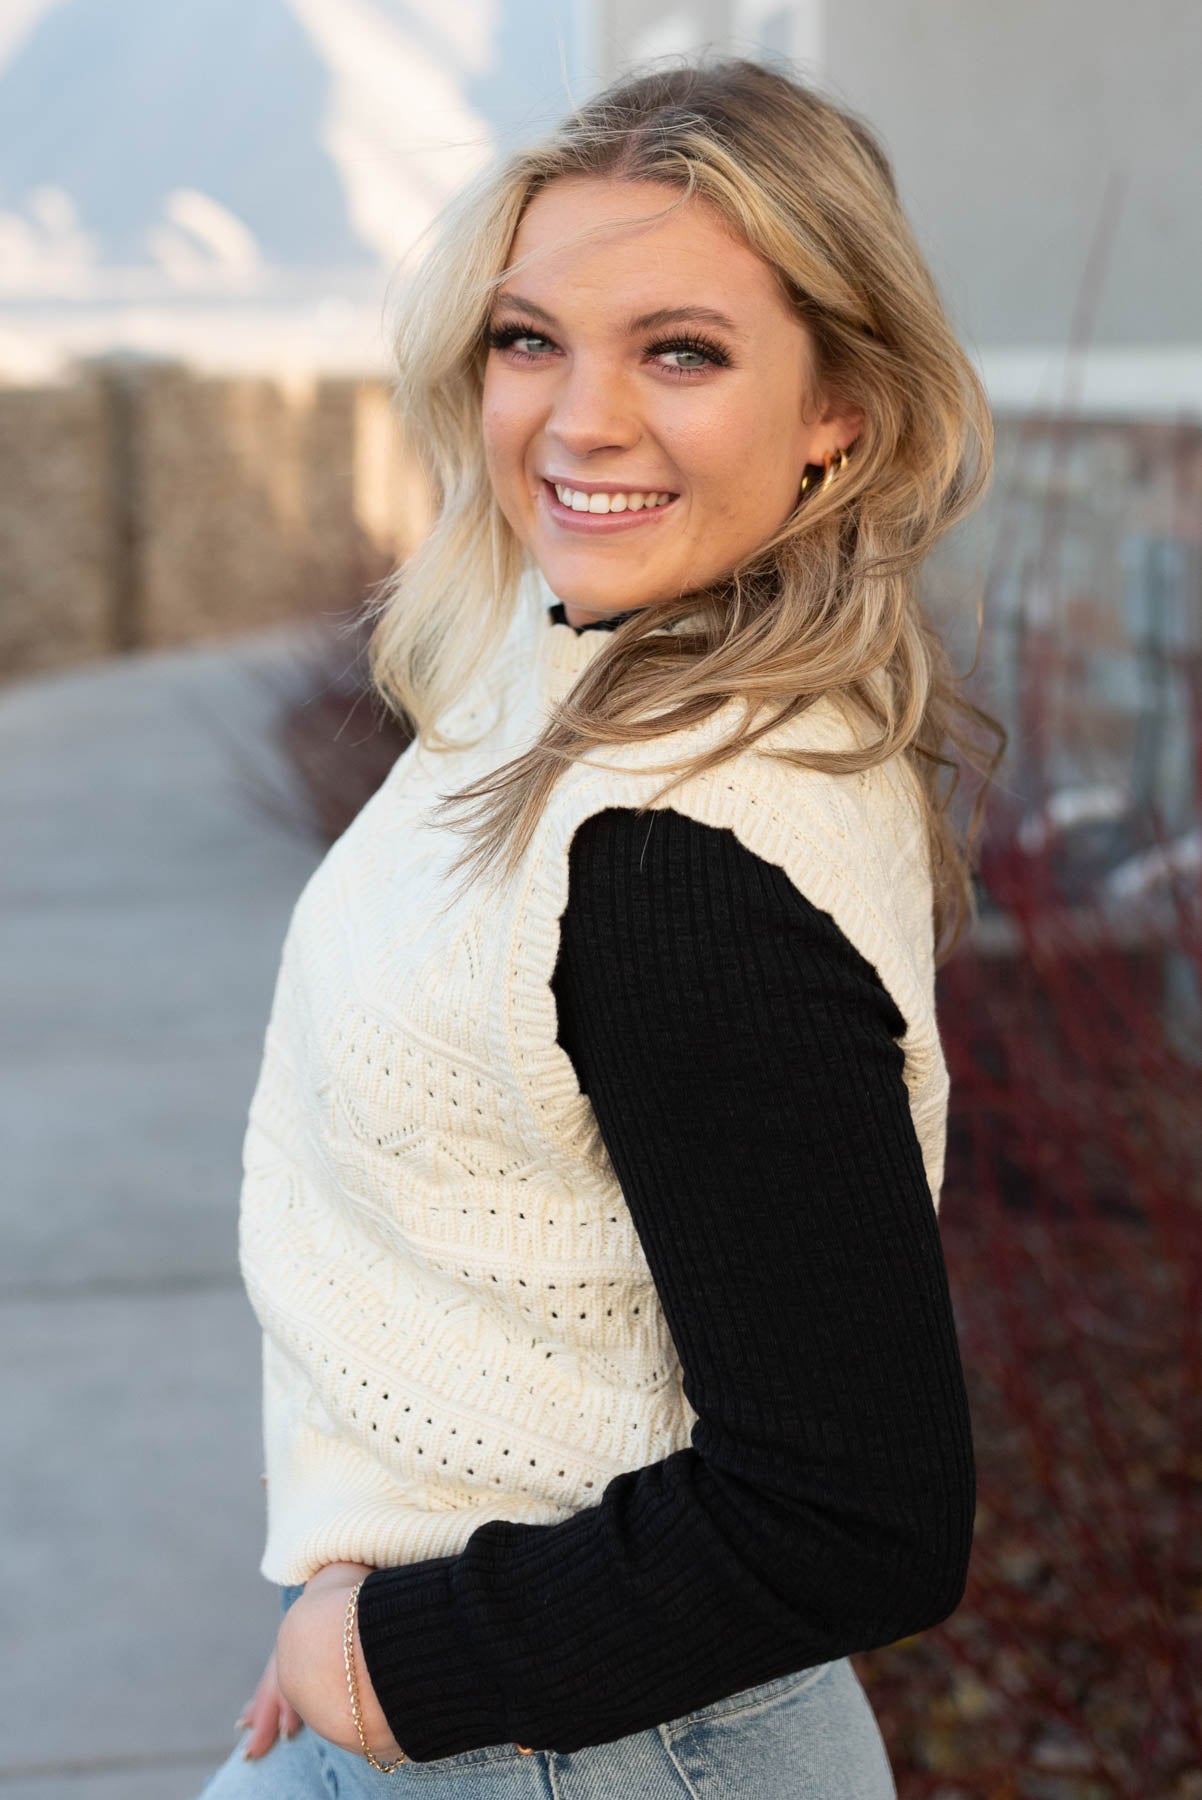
502 337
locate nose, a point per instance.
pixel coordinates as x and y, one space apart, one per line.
592 410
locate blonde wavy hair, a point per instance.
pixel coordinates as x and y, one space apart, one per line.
832 597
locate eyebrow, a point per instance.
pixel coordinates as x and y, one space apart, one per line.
663 315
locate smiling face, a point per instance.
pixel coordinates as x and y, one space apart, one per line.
693 431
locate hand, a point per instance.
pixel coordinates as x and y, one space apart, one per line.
312 1668
267 1713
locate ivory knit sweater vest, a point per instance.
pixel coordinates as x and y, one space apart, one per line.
458 1320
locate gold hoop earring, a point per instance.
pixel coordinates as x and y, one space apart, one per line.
834 463
829 465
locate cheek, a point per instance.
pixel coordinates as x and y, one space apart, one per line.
739 458
505 428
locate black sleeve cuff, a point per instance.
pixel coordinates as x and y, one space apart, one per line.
438 1703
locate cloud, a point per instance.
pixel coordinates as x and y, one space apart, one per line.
203 243
45 249
398 126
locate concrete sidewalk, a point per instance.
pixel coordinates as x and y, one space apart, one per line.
144 895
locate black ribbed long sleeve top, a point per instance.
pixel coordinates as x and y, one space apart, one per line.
743 1064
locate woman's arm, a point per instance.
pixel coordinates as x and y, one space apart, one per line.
742 1061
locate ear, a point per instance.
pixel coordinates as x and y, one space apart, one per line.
838 429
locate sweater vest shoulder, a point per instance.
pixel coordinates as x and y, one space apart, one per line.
854 845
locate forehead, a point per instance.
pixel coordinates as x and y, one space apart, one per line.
587 234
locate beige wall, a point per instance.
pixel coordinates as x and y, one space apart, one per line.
142 505
1050 154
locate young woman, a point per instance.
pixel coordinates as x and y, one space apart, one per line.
612 1395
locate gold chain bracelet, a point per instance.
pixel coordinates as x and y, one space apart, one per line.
348 1653
348 1656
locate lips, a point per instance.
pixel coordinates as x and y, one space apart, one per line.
569 519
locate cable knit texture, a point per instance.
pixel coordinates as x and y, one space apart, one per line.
425 1184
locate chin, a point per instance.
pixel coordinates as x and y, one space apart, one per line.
579 588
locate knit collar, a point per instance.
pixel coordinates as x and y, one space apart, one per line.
566 648
566 651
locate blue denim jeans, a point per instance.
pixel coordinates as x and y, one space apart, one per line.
809 1736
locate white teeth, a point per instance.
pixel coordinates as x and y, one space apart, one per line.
607 503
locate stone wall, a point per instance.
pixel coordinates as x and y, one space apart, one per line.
144 505
56 538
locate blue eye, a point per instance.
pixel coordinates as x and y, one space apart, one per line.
500 337
692 345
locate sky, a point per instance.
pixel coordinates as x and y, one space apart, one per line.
160 162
